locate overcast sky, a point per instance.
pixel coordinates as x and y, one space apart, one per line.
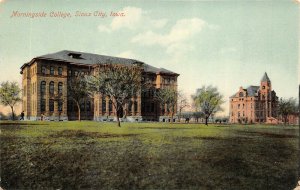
227 44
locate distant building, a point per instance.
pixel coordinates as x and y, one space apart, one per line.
45 95
255 104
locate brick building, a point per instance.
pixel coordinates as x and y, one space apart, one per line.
45 96
255 104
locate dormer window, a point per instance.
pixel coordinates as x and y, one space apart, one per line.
241 94
75 55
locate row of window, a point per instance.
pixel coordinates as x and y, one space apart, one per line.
52 70
84 106
51 88
51 105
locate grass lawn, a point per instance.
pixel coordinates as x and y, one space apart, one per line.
93 155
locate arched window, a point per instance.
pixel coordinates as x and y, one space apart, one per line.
43 87
43 70
51 87
60 88
51 70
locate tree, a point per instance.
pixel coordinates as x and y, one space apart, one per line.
78 90
182 103
10 95
286 107
208 100
167 96
119 83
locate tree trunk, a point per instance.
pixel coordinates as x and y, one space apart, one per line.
78 107
12 112
172 114
206 121
118 120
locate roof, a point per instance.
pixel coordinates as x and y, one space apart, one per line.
82 58
151 69
265 78
251 91
85 58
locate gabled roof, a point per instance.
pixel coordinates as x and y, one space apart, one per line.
265 78
82 58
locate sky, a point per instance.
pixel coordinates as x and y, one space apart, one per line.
226 44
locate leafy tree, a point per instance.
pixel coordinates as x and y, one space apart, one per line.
167 96
10 95
182 103
208 100
78 90
118 82
286 107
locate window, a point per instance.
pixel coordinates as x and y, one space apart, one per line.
243 105
110 106
103 104
43 105
60 70
76 73
51 87
70 73
51 105
135 106
238 106
239 114
43 87
82 106
88 106
130 106
43 70
241 94
60 88
51 70
60 105
263 87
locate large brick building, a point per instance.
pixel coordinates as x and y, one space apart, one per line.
255 104
45 95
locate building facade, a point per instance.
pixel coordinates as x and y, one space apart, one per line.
255 104
45 92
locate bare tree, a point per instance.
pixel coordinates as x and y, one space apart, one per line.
168 97
78 90
119 83
182 103
208 100
10 95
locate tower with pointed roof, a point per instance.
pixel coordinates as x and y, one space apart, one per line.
254 104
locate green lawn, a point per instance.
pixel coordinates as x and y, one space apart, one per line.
93 155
